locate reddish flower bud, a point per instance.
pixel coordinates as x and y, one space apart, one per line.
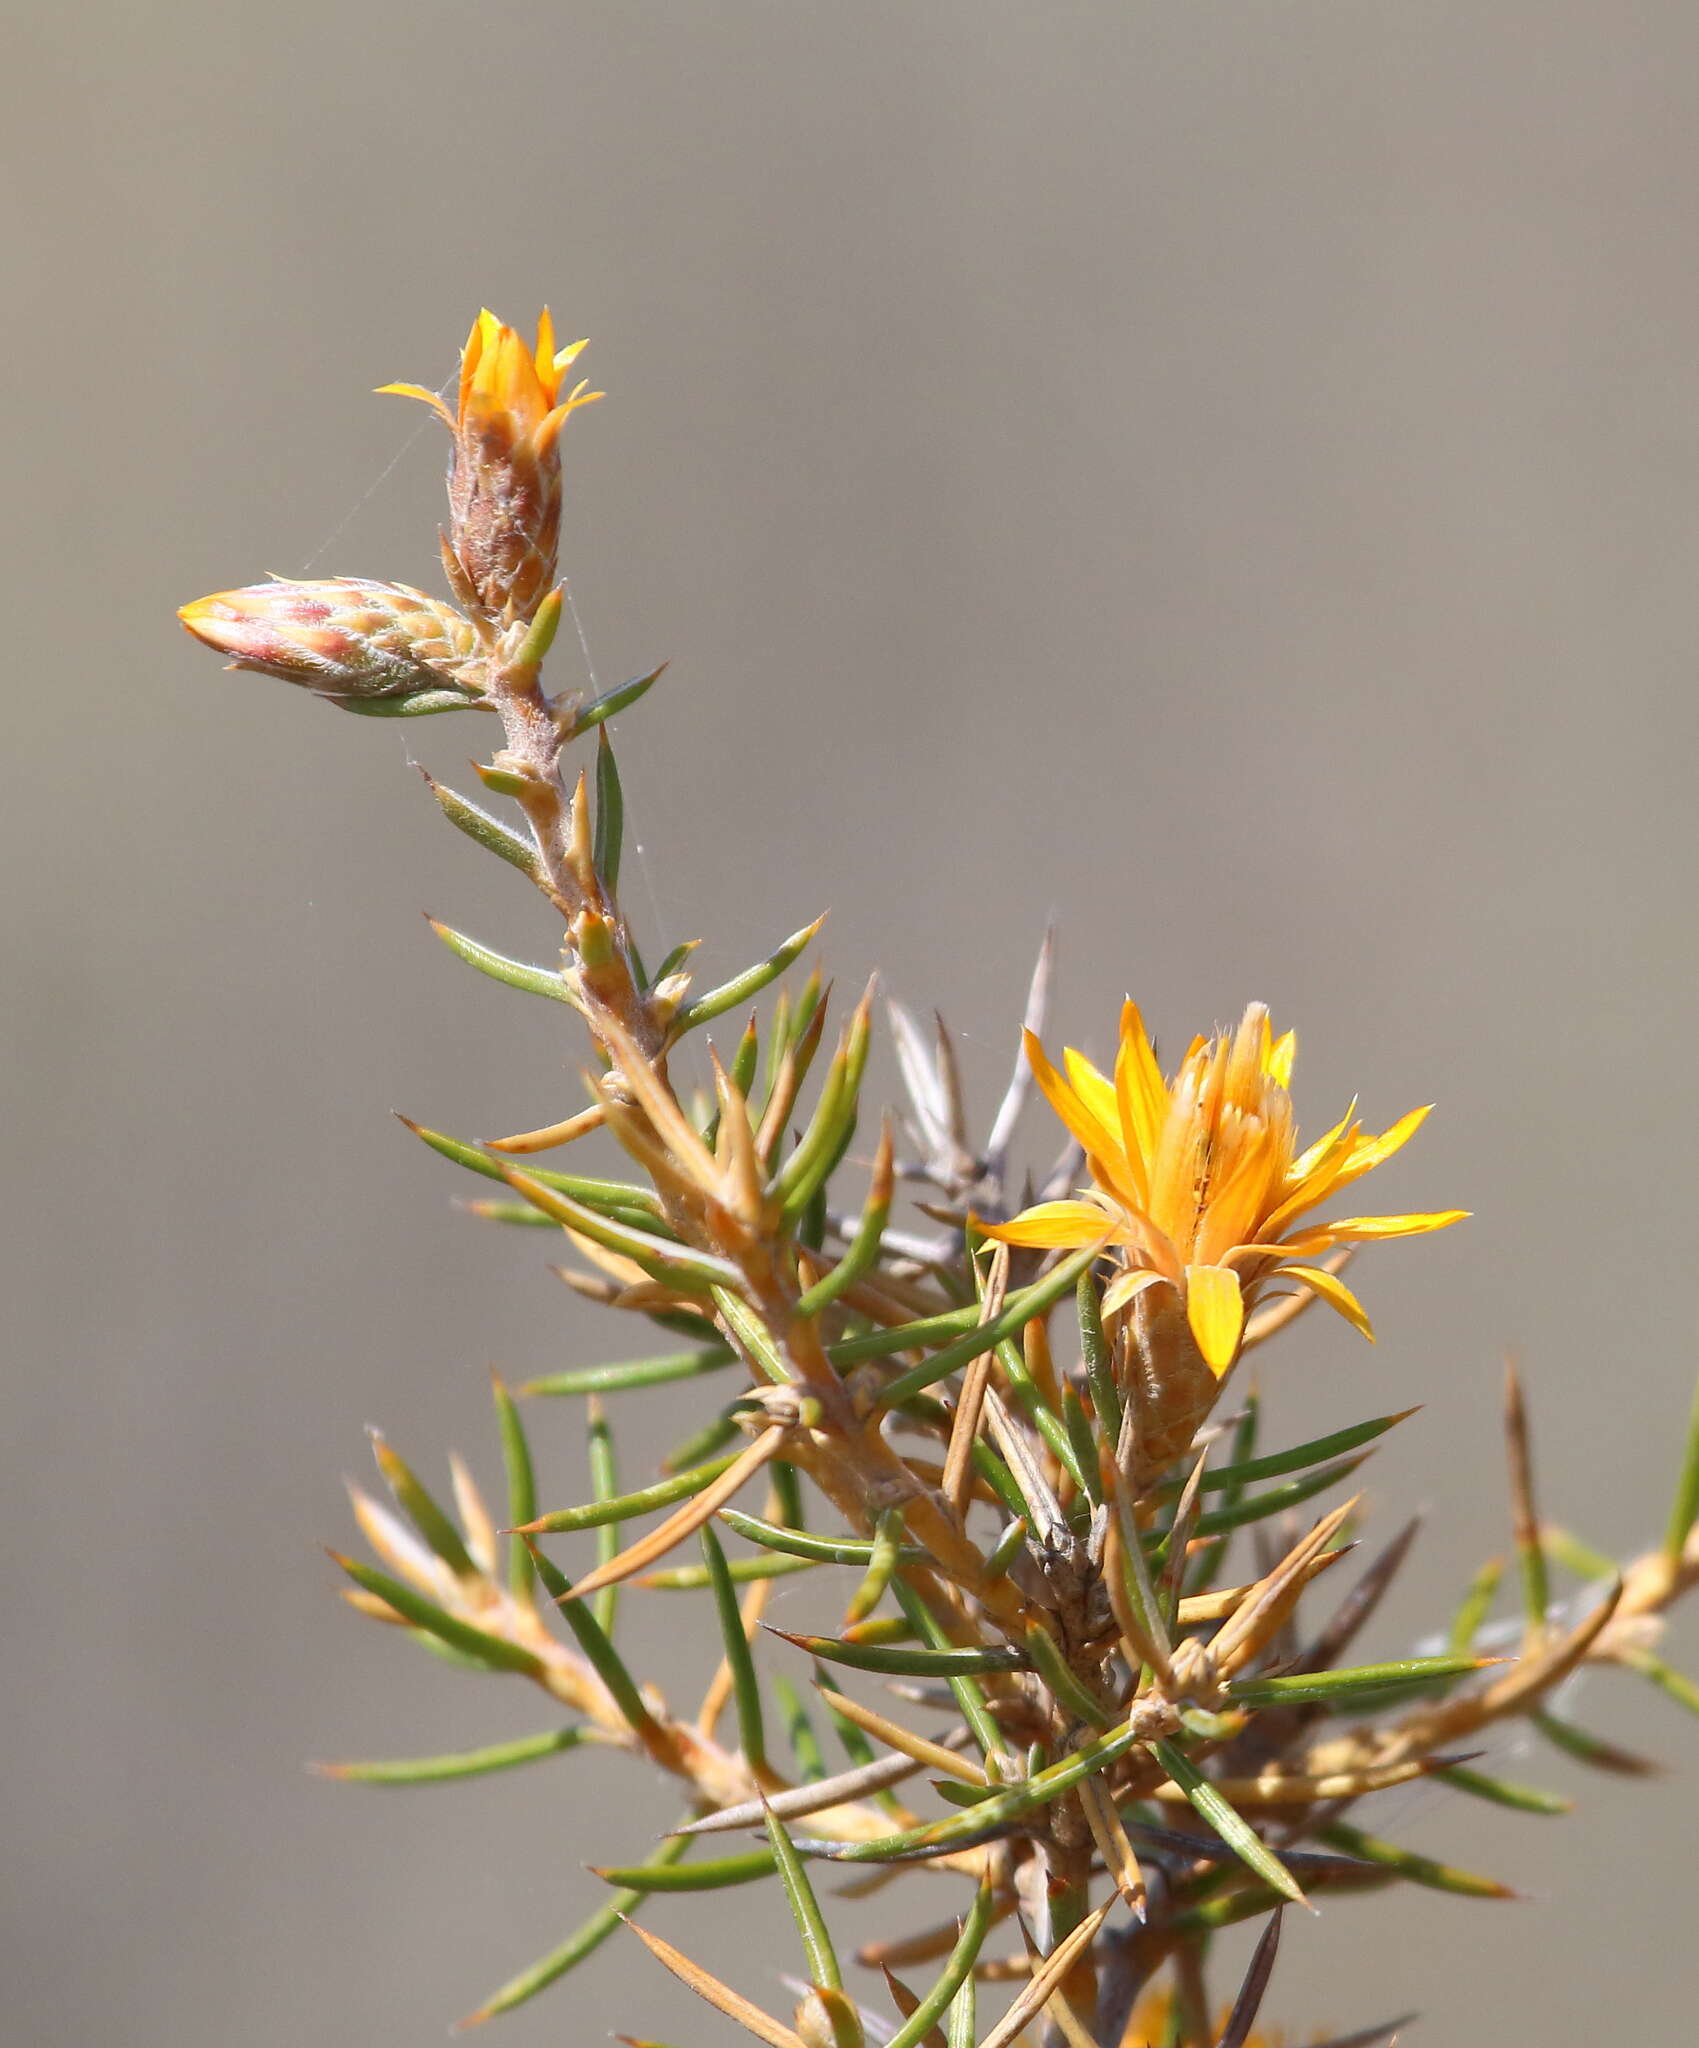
346 638
504 478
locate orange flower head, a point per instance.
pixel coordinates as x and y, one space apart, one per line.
1198 1191
504 476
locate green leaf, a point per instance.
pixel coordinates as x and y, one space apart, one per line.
1099 1363
634 1372
887 1549
494 1652
1206 1566
415 1502
1345 1688
731 995
604 1485
805 1909
954 1793
520 1214
1664 1676
478 825
521 1482
706 1442
1476 1600
805 1173
957 1975
860 1258
610 815
787 1494
1019 1308
746 1059
1684 1510
747 1868
674 961
1146 1607
752 1333
1502 1791
584 1941
1294 1460
1227 1822
1176 1547
1006 1806
905 1336
964 2016
662 1258
1405 1863
1251 1901
1082 1443
746 1687
1588 1748
1274 1502
467 1763
898 1661
800 1542
612 702
535 981
1575 1556
1029 1398
1002 1482
810 1004
662 1494
799 1731
1482 1587
1006 1549
970 1695
540 632
693 1578
854 1739
594 1641
613 1197
423 704
1064 1685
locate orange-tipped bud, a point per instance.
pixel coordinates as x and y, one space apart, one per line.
504 478
347 638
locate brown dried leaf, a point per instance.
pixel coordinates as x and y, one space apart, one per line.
721 1996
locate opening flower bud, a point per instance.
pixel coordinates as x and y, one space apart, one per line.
346 638
504 477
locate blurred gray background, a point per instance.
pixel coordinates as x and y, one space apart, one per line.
1224 476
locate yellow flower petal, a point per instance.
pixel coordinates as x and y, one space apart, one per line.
1309 1161
1281 1055
1090 1086
1235 1208
1139 1084
418 391
1052 1226
1368 1153
1329 1288
1125 1286
1367 1229
1089 1130
544 355
1328 1158
1215 1308
1098 1138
